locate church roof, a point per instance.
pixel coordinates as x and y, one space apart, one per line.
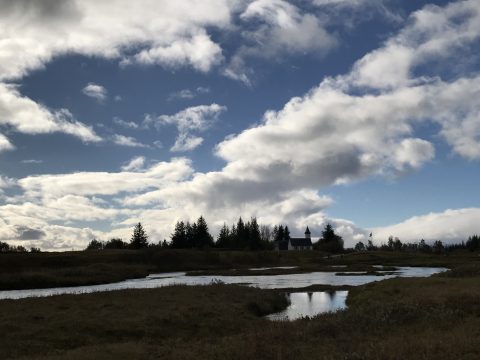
300 242
307 231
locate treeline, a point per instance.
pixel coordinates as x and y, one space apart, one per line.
241 236
394 244
139 240
6 248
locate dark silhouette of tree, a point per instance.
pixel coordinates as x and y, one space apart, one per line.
279 233
254 239
423 246
35 250
330 242
139 238
4 247
115 243
179 236
241 236
265 233
94 245
203 238
190 235
438 247
224 237
473 243
360 246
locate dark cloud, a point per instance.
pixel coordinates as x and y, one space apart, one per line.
41 9
26 233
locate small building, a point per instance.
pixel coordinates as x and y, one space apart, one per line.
304 243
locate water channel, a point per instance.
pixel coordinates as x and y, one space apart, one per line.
261 281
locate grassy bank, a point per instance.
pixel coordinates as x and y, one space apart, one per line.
424 318
27 270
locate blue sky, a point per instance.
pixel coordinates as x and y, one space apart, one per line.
362 113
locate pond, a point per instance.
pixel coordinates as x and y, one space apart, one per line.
309 304
282 281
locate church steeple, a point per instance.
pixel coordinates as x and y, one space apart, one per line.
307 233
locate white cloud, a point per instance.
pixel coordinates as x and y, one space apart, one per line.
125 124
167 33
186 142
95 91
433 34
349 128
192 119
5 144
279 28
450 226
188 94
200 52
32 161
127 141
105 183
147 32
28 117
6 182
136 164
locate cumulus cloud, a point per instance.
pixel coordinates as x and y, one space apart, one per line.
95 91
28 117
34 32
192 119
165 33
199 52
279 27
450 226
346 129
434 35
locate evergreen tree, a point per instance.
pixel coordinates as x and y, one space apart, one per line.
473 243
255 241
286 234
241 240
330 241
438 247
223 240
203 238
360 246
95 245
190 235
178 237
139 238
279 234
115 243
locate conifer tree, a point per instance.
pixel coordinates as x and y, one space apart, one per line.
223 240
139 238
202 236
179 236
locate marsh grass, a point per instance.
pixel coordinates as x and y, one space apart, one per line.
44 270
404 318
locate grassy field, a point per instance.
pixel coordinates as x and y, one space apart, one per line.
427 318
43 270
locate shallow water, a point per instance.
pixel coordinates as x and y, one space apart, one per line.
262 281
309 304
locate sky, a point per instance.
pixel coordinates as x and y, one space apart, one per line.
359 113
